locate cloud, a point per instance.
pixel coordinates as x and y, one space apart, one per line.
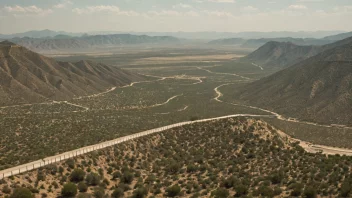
172 13
297 7
218 13
222 1
182 5
63 4
310 1
249 8
27 10
104 8
215 1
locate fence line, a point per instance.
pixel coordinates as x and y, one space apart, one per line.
70 154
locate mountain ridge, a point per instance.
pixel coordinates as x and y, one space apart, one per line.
28 77
317 89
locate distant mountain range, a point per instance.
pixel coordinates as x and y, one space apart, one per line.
28 77
256 43
338 36
285 54
64 42
185 35
38 34
317 89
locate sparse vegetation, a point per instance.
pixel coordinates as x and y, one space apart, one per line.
206 159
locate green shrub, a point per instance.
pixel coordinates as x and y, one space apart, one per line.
99 192
241 190
82 187
118 192
22 193
69 190
173 191
77 175
6 189
309 192
93 179
127 177
220 193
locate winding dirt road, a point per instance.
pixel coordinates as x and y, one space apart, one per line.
229 74
309 147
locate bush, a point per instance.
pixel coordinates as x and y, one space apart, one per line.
118 192
99 192
345 189
93 179
69 190
6 189
70 163
127 177
22 193
220 193
310 192
265 191
77 175
82 187
241 190
140 192
173 191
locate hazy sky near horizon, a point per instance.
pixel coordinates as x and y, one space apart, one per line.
175 15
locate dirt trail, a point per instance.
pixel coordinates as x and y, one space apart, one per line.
164 103
229 74
258 66
278 116
309 147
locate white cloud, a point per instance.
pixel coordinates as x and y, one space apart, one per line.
104 8
63 4
310 1
27 10
222 1
218 13
249 8
297 7
182 5
172 13
215 1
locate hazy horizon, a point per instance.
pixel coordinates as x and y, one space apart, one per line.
176 15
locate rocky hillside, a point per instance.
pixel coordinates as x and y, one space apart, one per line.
285 54
226 158
87 42
28 77
318 89
277 54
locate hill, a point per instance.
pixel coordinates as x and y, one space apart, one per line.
285 54
64 42
28 77
233 157
256 43
229 41
38 34
338 36
317 89
280 54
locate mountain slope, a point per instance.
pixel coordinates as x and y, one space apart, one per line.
27 77
285 54
318 89
228 41
85 42
276 54
256 43
338 36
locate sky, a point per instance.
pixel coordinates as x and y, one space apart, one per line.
175 15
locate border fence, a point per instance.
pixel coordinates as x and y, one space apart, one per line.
70 154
